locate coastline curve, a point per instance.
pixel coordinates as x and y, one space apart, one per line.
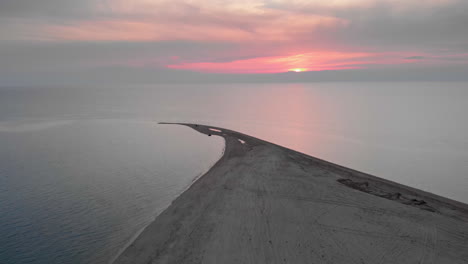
263 203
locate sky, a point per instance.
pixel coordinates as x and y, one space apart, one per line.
72 41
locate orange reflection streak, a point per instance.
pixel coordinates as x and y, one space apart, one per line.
316 61
286 111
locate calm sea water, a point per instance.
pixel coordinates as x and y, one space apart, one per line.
83 169
75 191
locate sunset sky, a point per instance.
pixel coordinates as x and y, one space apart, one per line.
46 39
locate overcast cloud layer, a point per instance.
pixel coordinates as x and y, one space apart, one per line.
158 40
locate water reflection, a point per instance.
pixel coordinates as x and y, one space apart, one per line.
412 133
284 113
75 193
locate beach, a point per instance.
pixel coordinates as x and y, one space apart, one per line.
263 203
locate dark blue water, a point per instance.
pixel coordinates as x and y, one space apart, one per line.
75 192
83 169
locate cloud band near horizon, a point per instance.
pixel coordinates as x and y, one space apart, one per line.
255 36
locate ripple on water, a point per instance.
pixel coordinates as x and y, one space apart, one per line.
78 191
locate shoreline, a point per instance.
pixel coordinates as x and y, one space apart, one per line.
135 236
263 203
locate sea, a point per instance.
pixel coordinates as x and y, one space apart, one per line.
83 169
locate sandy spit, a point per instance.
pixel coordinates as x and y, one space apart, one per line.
263 204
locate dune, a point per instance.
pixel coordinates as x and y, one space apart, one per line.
263 203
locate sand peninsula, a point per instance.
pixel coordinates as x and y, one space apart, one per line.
263 204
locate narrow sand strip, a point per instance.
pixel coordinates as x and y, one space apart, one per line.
264 204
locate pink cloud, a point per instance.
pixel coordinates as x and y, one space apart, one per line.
286 34
120 30
311 61
204 23
316 61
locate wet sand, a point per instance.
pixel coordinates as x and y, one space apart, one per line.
262 204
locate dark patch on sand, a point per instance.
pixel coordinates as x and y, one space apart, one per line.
364 186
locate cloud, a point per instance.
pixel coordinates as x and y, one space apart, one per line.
48 9
415 58
313 61
423 29
245 36
221 27
65 56
374 23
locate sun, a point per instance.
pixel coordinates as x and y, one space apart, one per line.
298 69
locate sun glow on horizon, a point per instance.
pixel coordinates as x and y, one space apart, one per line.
298 70
321 61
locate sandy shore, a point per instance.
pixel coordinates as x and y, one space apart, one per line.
264 204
